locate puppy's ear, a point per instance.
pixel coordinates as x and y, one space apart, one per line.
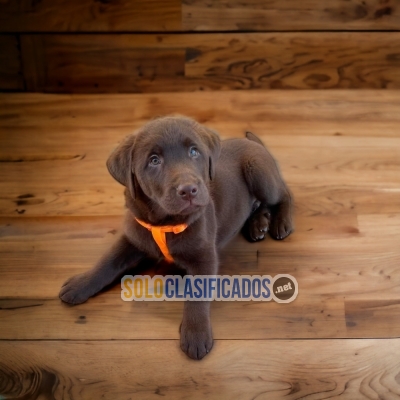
119 163
213 142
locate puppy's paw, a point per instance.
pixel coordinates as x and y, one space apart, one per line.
196 341
76 290
256 227
281 227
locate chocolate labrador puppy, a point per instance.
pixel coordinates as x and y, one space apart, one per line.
176 171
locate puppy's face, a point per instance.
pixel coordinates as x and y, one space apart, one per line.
171 159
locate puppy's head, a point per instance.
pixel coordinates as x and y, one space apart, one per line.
170 160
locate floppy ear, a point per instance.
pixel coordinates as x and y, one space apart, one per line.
213 142
119 163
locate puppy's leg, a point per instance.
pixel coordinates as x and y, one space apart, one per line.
121 257
265 182
196 333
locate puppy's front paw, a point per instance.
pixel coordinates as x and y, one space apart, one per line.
76 290
196 341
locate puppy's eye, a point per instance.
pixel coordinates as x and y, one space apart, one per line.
193 152
154 160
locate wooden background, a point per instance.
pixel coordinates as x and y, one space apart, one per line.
139 46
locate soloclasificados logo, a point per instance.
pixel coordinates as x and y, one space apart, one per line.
282 288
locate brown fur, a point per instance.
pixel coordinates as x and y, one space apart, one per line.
217 188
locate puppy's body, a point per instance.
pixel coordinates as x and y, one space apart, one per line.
233 201
176 171
246 179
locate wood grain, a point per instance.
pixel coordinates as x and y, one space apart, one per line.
10 64
109 318
89 16
344 113
174 15
100 63
188 62
346 369
297 61
290 15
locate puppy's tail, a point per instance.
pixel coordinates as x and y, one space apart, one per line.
254 138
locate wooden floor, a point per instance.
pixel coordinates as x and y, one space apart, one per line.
339 151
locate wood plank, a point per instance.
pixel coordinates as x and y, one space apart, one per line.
296 61
360 313
156 15
349 369
237 110
107 317
290 15
90 16
187 62
100 63
10 64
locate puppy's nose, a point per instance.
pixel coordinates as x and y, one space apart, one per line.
187 192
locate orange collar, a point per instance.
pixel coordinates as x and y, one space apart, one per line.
158 233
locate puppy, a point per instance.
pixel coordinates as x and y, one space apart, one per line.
178 173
